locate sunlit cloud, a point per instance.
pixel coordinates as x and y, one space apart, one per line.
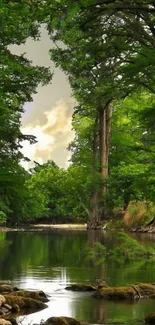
53 136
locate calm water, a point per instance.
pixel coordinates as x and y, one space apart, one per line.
50 261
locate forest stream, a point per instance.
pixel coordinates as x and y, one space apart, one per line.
50 261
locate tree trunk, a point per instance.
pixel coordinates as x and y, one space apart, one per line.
101 139
105 130
94 199
93 222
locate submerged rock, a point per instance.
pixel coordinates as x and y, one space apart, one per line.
81 287
62 321
150 319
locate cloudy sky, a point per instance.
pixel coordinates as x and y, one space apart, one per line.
48 117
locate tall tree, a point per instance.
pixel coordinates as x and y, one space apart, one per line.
19 80
107 53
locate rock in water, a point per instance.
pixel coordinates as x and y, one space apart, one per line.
38 295
62 321
5 282
140 290
150 319
81 287
5 288
23 303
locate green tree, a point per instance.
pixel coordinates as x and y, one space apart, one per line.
132 156
108 53
19 80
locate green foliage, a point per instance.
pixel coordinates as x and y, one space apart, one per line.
57 194
131 158
19 80
108 56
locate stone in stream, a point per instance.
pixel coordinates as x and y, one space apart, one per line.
81 287
62 321
22 303
38 295
140 290
150 319
5 282
5 288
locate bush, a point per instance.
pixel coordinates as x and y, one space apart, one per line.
139 213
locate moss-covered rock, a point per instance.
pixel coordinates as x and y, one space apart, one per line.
146 289
62 321
150 319
24 303
81 287
38 295
137 291
116 293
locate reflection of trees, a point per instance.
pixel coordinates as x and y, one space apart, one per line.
20 252
30 250
144 238
94 236
101 311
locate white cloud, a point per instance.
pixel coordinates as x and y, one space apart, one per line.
53 136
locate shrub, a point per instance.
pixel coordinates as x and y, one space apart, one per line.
139 213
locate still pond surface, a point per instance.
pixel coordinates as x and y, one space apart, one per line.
50 261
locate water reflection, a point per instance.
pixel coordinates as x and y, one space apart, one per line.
50 261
